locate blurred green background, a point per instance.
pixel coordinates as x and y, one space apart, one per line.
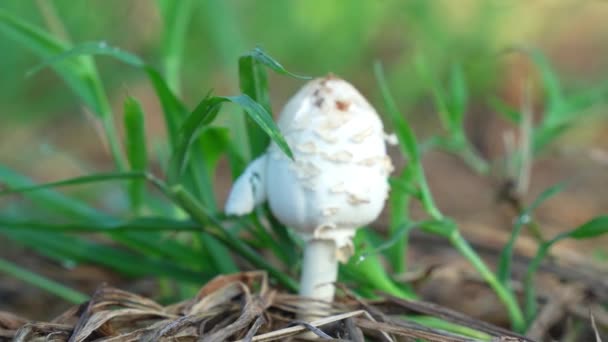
312 37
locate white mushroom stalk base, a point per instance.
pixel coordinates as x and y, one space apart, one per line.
319 274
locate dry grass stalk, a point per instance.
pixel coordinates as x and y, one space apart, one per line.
239 307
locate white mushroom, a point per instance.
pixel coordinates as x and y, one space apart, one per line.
337 183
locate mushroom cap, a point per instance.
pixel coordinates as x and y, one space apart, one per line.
338 180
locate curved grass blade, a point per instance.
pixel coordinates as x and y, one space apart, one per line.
134 121
82 250
59 290
368 269
407 143
454 328
49 199
89 48
413 173
506 255
395 237
511 114
173 109
459 97
253 81
205 112
142 224
95 178
407 140
34 38
263 119
148 241
262 57
447 229
141 235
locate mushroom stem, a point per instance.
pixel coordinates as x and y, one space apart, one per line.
319 270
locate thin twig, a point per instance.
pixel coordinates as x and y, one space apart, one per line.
595 330
553 311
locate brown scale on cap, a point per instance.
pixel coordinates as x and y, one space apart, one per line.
342 105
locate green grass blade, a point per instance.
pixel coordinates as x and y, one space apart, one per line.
582 100
140 224
550 82
402 190
393 239
204 113
45 45
558 120
506 255
253 81
160 246
140 235
214 142
203 155
220 21
438 323
95 178
81 250
220 255
174 110
458 97
407 140
505 294
591 229
49 199
263 119
215 228
368 269
285 250
263 58
89 48
407 143
176 17
412 174
199 170
41 282
439 97
81 74
511 114
545 134
134 121
282 235
143 241
32 37
451 106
